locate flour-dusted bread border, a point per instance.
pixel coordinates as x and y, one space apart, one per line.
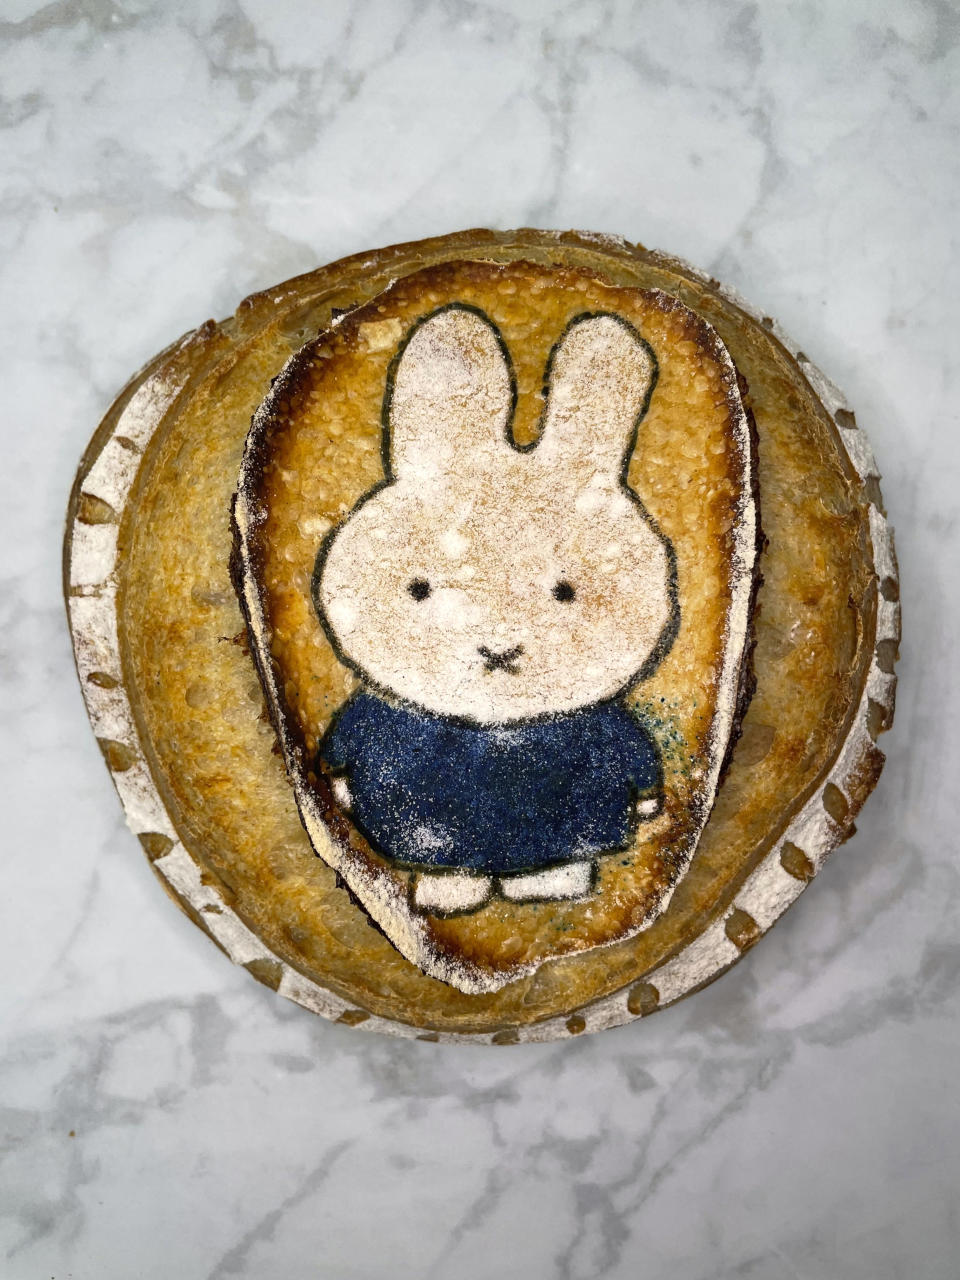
101 492
382 892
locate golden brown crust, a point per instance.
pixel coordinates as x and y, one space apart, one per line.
816 638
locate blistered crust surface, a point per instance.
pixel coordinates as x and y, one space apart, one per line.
807 760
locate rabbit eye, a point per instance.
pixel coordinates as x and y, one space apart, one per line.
419 588
563 591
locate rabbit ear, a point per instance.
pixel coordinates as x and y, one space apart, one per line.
599 380
450 393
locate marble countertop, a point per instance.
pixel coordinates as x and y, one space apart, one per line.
163 1115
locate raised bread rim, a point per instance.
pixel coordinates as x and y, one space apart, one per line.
106 474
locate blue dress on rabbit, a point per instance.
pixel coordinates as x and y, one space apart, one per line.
431 791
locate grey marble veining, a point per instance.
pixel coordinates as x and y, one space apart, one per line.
162 1115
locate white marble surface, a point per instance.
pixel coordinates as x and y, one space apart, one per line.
160 1113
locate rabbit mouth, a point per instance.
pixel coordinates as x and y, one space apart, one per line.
505 660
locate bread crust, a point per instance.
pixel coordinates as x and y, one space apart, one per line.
696 423
316 948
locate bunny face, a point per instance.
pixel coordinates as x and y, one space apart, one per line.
488 582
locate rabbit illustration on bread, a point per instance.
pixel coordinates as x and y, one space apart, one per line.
497 602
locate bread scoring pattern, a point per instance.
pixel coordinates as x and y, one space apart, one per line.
497 600
544 671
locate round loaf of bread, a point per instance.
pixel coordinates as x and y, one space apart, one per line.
163 649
